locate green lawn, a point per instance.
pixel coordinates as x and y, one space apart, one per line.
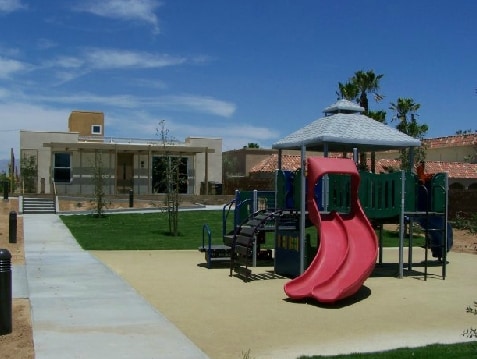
436 351
137 231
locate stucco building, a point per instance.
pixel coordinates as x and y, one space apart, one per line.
67 161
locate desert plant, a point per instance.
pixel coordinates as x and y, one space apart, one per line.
466 222
471 332
247 354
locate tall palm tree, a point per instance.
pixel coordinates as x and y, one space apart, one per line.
405 110
367 82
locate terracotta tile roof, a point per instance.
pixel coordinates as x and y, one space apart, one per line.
451 141
386 165
270 164
454 169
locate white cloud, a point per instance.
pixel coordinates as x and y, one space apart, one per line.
125 101
199 103
177 103
135 10
11 5
66 76
68 62
8 67
106 59
113 58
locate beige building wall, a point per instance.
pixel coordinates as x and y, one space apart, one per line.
443 154
214 161
450 154
87 123
31 144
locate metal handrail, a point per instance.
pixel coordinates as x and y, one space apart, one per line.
206 228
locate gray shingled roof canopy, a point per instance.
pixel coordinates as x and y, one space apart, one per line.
343 128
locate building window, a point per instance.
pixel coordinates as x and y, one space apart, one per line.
62 167
96 130
160 168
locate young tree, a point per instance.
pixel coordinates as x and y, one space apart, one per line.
98 181
29 173
172 180
405 112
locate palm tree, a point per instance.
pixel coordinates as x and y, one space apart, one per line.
367 82
347 91
379 116
405 110
357 89
403 107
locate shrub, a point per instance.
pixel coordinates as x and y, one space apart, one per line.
467 222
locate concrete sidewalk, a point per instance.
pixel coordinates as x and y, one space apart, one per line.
81 309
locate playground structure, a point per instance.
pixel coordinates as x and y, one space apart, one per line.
345 206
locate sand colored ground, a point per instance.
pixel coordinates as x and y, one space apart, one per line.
225 316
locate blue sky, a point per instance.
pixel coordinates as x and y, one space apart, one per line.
245 71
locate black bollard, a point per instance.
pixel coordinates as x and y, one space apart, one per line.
5 292
12 227
131 198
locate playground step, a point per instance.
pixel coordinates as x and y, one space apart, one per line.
216 253
216 248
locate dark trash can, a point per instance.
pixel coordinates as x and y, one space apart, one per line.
218 188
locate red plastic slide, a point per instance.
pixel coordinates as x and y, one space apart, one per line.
348 243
